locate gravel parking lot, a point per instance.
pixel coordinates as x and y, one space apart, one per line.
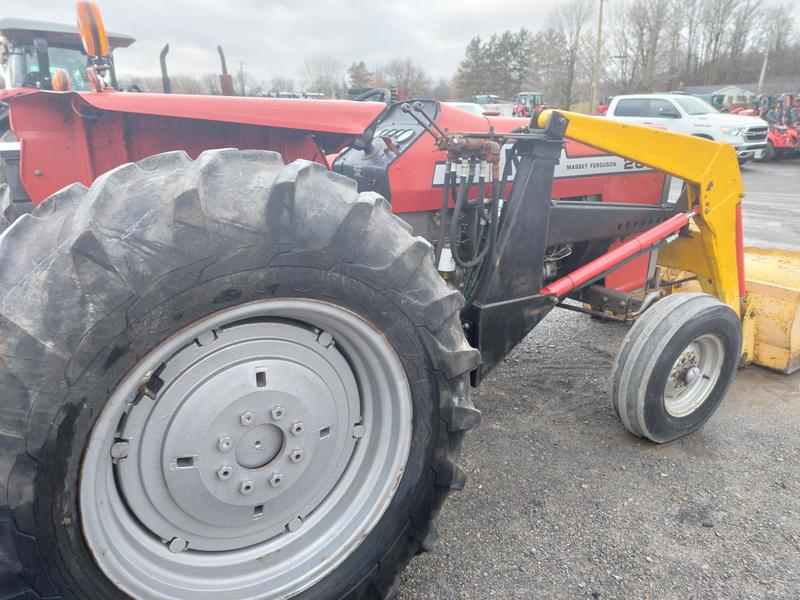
564 503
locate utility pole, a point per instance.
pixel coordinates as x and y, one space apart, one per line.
764 66
241 77
598 50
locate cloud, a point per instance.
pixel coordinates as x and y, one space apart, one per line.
273 37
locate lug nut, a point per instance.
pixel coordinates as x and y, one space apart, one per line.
325 339
247 418
277 413
245 487
119 450
276 480
225 443
224 472
359 431
297 455
298 428
294 524
177 545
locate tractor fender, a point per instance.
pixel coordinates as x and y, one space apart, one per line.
98 131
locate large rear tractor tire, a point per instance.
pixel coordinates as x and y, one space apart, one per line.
223 378
675 366
9 211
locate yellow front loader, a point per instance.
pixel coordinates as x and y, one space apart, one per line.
761 285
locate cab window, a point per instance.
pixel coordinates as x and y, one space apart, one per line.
73 61
631 107
662 109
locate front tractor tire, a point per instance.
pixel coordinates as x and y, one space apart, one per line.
223 378
675 366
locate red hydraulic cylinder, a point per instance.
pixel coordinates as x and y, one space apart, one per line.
601 264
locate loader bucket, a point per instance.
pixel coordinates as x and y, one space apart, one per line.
772 309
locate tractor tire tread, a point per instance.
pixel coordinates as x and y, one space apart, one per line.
103 247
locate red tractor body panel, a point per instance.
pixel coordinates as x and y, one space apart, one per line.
331 116
583 171
8 93
103 130
100 131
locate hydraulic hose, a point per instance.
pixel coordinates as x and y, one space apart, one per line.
461 198
494 225
437 253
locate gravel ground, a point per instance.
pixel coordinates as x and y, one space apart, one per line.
564 503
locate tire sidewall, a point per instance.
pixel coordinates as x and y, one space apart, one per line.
169 310
660 424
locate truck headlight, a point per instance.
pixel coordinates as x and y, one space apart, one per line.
732 131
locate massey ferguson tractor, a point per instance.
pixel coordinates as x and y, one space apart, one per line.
239 334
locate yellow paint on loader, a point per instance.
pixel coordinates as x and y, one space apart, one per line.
770 310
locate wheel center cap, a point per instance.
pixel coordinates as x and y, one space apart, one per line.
259 446
691 375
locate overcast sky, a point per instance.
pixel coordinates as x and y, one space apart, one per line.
274 36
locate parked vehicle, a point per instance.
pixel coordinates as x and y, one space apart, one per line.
474 108
692 116
782 142
526 103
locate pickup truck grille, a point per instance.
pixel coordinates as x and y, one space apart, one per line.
756 134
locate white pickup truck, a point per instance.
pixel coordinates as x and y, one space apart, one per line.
693 116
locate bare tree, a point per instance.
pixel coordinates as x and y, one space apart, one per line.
547 64
211 85
281 84
571 20
403 73
324 73
442 89
717 15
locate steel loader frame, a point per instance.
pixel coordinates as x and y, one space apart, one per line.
700 233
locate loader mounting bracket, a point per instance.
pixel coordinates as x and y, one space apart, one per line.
504 311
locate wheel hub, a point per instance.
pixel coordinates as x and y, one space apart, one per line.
260 446
251 419
686 369
693 375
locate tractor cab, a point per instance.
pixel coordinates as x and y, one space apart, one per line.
49 56
526 102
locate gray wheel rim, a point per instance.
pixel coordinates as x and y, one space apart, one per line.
247 455
694 375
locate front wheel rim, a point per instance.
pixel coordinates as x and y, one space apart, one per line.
248 454
694 375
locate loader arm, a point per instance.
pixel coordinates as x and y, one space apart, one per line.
712 245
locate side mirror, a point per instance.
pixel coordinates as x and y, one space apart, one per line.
92 30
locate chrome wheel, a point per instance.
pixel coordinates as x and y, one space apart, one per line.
694 375
248 455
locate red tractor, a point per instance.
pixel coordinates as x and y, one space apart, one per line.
234 370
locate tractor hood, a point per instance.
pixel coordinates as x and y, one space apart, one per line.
325 116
